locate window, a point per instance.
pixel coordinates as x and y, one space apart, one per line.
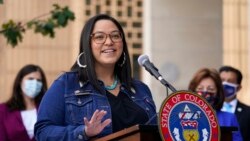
136 45
98 9
119 13
88 12
108 12
129 35
137 24
139 35
139 4
108 2
123 24
129 10
136 67
87 2
119 3
139 14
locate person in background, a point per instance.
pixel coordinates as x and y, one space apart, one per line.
98 96
207 83
231 80
19 113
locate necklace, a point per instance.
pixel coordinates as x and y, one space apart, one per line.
113 86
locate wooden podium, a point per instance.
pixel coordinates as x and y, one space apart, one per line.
151 133
134 133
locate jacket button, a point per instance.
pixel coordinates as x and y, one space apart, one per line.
80 137
79 101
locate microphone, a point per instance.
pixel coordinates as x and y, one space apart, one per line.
143 60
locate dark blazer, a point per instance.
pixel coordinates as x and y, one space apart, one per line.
242 113
11 126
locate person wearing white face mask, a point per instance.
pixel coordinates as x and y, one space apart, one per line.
231 80
19 113
32 87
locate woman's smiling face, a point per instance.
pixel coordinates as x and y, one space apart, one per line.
106 43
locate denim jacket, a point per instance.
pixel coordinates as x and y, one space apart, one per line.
67 102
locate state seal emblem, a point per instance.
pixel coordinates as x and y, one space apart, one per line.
186 116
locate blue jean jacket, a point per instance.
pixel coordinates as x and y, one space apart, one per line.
66 103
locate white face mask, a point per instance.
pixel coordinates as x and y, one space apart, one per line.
32 88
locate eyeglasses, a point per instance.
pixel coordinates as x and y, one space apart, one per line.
205 93
208 89
100 37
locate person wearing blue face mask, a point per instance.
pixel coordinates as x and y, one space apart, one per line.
207 83
19 113
231 80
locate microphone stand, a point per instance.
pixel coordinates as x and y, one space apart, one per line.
166 84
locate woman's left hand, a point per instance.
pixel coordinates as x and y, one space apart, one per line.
95 125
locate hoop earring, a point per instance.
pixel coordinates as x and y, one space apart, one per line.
78 61
123 61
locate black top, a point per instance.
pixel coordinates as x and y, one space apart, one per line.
125 113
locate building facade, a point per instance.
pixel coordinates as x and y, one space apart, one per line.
178 36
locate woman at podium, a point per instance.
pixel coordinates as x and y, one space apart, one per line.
98 96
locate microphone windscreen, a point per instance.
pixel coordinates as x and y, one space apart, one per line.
142 59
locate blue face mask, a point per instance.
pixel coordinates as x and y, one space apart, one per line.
32 88
230 89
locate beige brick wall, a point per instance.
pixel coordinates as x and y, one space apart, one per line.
53 55
179 36
58 54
